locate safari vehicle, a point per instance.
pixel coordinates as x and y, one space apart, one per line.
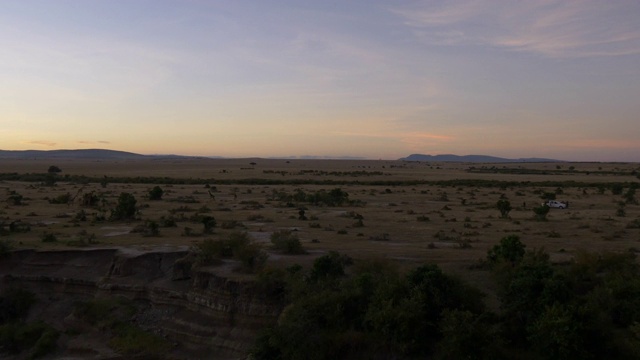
557 204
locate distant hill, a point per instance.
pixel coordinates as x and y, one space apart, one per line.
471 158
68 154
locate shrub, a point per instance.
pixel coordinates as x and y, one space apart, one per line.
286 242
15 198
48 237
630 196
510 249
105 312
89 199
50 179
231 224
82 239
151 228
125 208
237 246
209 223
504 206
131 340
38 337
329 267
541 212
252 258
61 199
156 193
54 169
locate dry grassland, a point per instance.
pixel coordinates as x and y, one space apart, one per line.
411 221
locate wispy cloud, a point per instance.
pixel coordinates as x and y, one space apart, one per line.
552 28
89 142
41 143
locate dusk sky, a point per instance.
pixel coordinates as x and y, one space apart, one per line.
373 79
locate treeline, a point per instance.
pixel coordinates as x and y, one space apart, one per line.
558 171
587 309
159 180
334 197
355 173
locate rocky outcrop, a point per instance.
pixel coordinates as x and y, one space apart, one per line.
209 311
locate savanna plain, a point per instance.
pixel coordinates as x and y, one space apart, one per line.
402 214
408 212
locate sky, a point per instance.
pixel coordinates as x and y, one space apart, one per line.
373 79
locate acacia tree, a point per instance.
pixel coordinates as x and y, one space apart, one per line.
504 206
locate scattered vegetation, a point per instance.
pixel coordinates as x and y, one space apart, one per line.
583 310
286 242
237 246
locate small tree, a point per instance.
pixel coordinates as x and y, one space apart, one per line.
504 206
156 193
541 212
14 198
209 223
329 267
126 207
510 249
630 196
54 169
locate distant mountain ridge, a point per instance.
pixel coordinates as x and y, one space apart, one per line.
471 158
69 154
116 154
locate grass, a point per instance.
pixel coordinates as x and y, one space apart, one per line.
248 200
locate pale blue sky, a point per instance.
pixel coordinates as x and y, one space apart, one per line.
373 79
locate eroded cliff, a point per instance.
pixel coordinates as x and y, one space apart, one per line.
208 313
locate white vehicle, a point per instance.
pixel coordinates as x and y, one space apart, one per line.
557 204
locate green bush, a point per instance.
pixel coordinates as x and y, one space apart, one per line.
156 193
48 237
133 341
237 246
125 208
541 212
15 198
510 250
61 199
286 242
38 338
504 206
105 312
252 258
376 313
209 223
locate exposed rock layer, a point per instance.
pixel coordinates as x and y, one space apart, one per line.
210 313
